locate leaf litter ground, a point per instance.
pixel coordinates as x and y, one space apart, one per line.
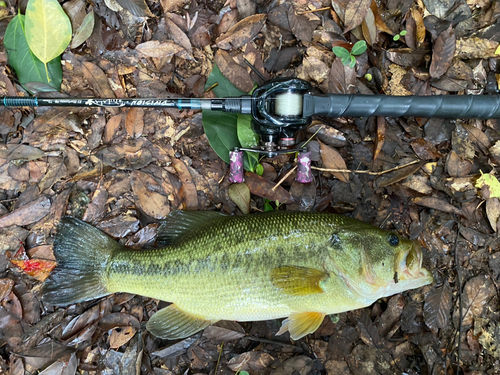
122 170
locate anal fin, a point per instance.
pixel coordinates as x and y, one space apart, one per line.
298 281
301 324
172 323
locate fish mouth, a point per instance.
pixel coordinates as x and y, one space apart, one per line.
410 264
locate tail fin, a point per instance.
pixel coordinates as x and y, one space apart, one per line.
82 253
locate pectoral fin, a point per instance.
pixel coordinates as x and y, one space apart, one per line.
298 281
301 324
172 323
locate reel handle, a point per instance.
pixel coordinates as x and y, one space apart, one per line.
446 106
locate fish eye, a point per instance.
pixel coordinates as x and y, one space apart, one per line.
393 239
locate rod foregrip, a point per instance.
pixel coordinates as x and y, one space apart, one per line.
446 106
15 101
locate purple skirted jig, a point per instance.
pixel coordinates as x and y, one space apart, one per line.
304 172
236 166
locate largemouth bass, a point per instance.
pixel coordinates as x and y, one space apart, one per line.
295 265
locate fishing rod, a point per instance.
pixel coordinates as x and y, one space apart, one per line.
281 107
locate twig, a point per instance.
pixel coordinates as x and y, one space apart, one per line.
266 341
314 10
459 300
218 359
366 172
284 178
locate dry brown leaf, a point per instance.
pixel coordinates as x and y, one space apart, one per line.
477 293
263 188
154 48
120 336
147 195
6 286
419 21
379 22
224 331
442 53
111 128
27 214
493 212
124 156
342 78
302 25
333 160
475 48
20 152
355 13
242 33
237 74
134 122
436 204
457 167
97 80
379 141
250 361
172 5
187 193
437 307
369 28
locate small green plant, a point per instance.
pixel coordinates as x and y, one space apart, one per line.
268 206
398 36
348 58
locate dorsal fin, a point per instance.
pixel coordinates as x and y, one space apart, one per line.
181 222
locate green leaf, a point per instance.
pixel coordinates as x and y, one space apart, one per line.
346 60
248 138
341 52
358 48
267 206
27 66
222 128
48 30
353 61
224 86
84 30
259 169
489 185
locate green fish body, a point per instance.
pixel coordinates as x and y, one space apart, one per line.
297 265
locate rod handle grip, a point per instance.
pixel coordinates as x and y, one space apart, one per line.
16 101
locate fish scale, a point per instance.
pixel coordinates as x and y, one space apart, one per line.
254 267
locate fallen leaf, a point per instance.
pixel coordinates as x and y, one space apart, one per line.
27 214
457 167
37 268
477 293
398 175
437 306
437 204
240 194
302 26
6 286
126 156
493 212
120 336
134 122
333 160
355 13
224 331
20 152
242 33
442 53
154 48
342 78
264 188
98 80
234 72
250 361
147 195
475 48
489 185
187 193
379 141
